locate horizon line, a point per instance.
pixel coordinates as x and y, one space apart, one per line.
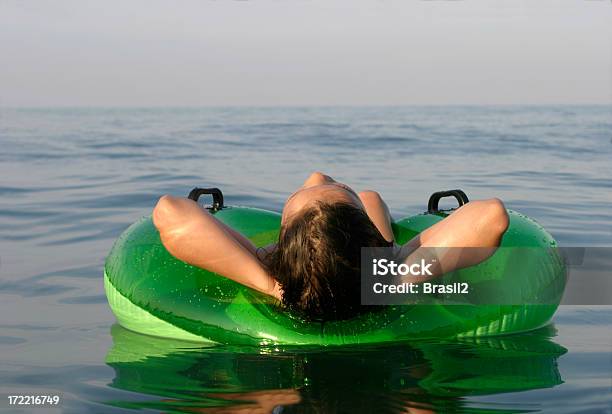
255 106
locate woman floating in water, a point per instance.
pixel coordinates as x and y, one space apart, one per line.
314 268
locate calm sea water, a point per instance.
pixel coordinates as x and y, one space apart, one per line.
71 180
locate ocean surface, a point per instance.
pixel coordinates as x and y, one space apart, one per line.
71 180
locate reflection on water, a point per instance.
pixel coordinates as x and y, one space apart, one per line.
419 377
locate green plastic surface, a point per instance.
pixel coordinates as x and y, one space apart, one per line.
153 293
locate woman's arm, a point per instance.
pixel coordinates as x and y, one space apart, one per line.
192 234
468 236
378 212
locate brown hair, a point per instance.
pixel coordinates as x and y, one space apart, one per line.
318 258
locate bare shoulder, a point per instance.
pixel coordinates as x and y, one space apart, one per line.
369 195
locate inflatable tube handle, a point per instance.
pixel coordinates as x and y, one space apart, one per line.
432 205
215 192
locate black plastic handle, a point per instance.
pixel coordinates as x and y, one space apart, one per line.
215 192
432 205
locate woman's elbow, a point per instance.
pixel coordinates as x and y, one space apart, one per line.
496 216
163 212
165 220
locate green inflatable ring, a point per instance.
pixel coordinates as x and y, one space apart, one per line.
151 292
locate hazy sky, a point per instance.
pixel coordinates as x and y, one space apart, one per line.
183 53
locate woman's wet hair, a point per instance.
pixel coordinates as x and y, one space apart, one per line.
318 258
